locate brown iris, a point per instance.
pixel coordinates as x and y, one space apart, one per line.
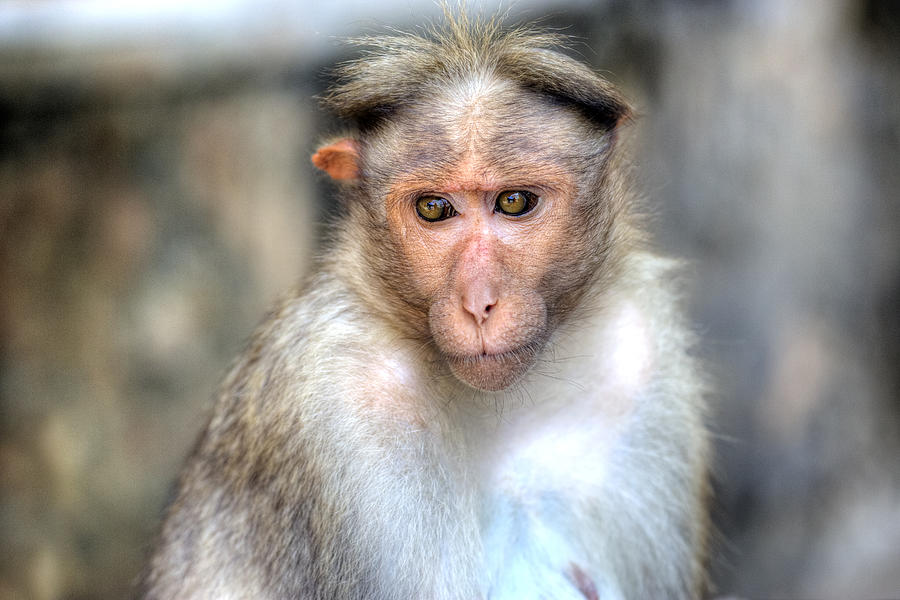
434 208
516 202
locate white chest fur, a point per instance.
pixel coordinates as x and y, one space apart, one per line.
545 462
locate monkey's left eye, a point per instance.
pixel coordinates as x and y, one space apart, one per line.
434 208
516 202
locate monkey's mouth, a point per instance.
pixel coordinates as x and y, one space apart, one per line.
524 354
493 372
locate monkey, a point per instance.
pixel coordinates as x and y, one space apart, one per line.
486 387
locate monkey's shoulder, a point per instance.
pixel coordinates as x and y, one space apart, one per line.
318 342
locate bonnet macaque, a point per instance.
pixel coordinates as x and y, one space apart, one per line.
484 390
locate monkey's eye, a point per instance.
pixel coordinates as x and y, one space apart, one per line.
434 208
516 202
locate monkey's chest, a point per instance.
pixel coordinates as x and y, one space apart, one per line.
542 532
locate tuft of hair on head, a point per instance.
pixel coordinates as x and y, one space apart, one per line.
394 69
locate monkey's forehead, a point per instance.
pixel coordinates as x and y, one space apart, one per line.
472 173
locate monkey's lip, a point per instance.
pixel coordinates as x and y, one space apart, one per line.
518 353
491 372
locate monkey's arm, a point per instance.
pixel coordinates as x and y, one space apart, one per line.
258 513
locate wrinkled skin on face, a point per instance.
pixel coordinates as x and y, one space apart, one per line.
491 285
487 314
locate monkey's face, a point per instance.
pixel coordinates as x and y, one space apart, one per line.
492 253
474 253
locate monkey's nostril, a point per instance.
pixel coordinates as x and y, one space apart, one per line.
488 308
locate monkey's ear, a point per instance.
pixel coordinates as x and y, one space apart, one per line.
340 159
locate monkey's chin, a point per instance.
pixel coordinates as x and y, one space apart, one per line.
489 372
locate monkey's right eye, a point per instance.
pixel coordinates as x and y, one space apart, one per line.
434 208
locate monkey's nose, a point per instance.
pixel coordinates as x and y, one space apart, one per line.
479 304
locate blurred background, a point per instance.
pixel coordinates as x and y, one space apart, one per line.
156 195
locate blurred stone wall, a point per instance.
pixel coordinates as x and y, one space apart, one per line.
141 238
773 142
153 203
